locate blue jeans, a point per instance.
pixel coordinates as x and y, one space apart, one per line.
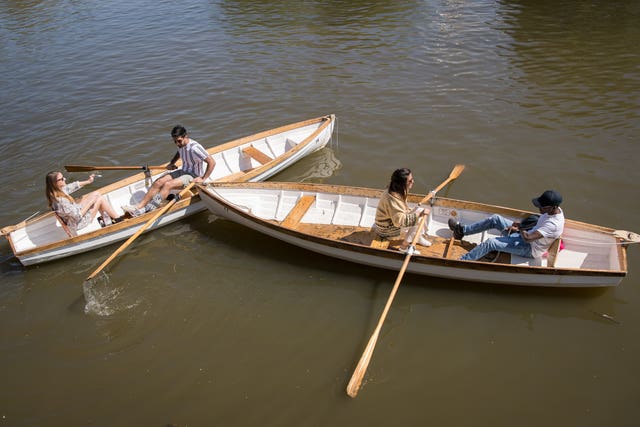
513 243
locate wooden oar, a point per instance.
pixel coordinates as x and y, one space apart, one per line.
361 368
85 168
158 214
457 170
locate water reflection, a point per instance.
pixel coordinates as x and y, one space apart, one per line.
212 318
314 168
578 72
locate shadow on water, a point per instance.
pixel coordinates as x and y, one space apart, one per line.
595 304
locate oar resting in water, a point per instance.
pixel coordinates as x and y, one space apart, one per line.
363 363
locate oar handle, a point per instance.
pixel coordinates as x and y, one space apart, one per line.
139 232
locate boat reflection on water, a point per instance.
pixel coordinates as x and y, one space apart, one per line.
313 168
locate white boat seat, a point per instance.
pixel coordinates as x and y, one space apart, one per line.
547 260
290 143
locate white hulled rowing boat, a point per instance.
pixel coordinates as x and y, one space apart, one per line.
337 220
252 158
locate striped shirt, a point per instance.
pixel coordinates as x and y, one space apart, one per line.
193 155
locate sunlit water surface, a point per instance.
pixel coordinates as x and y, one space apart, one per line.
206 323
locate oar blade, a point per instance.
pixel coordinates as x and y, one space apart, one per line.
457 170
455 173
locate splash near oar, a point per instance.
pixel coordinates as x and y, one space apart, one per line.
98 295
141 230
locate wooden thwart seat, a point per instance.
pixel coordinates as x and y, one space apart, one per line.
298 211
256 154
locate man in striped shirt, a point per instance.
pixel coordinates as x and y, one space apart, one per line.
193 157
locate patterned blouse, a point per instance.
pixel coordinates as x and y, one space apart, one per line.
70 212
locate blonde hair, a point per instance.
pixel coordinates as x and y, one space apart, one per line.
52 192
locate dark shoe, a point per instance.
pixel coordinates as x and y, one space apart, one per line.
172 196
456 227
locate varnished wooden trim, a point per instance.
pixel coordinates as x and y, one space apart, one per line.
298 211
253 152
447 248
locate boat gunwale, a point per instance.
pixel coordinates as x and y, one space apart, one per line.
393 254
322 121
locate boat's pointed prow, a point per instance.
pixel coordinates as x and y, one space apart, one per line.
627 236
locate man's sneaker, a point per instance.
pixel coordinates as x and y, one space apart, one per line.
132 210
156 201
456 227
150 207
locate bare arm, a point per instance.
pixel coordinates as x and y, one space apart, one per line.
174 159
88 181
530 237
210 165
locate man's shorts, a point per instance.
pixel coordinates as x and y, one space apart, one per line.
185 177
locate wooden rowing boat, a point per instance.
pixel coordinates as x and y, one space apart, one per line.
252 158
337 221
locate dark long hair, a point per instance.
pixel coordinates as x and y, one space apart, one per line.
399 182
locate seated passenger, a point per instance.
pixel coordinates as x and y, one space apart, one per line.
514 239
193 155
76 214
393 216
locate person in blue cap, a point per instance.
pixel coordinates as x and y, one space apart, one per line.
515 239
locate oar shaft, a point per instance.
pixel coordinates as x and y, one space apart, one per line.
85 168
137 233
361 368
363 363
457 170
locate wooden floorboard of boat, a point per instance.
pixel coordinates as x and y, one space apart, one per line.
364 236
